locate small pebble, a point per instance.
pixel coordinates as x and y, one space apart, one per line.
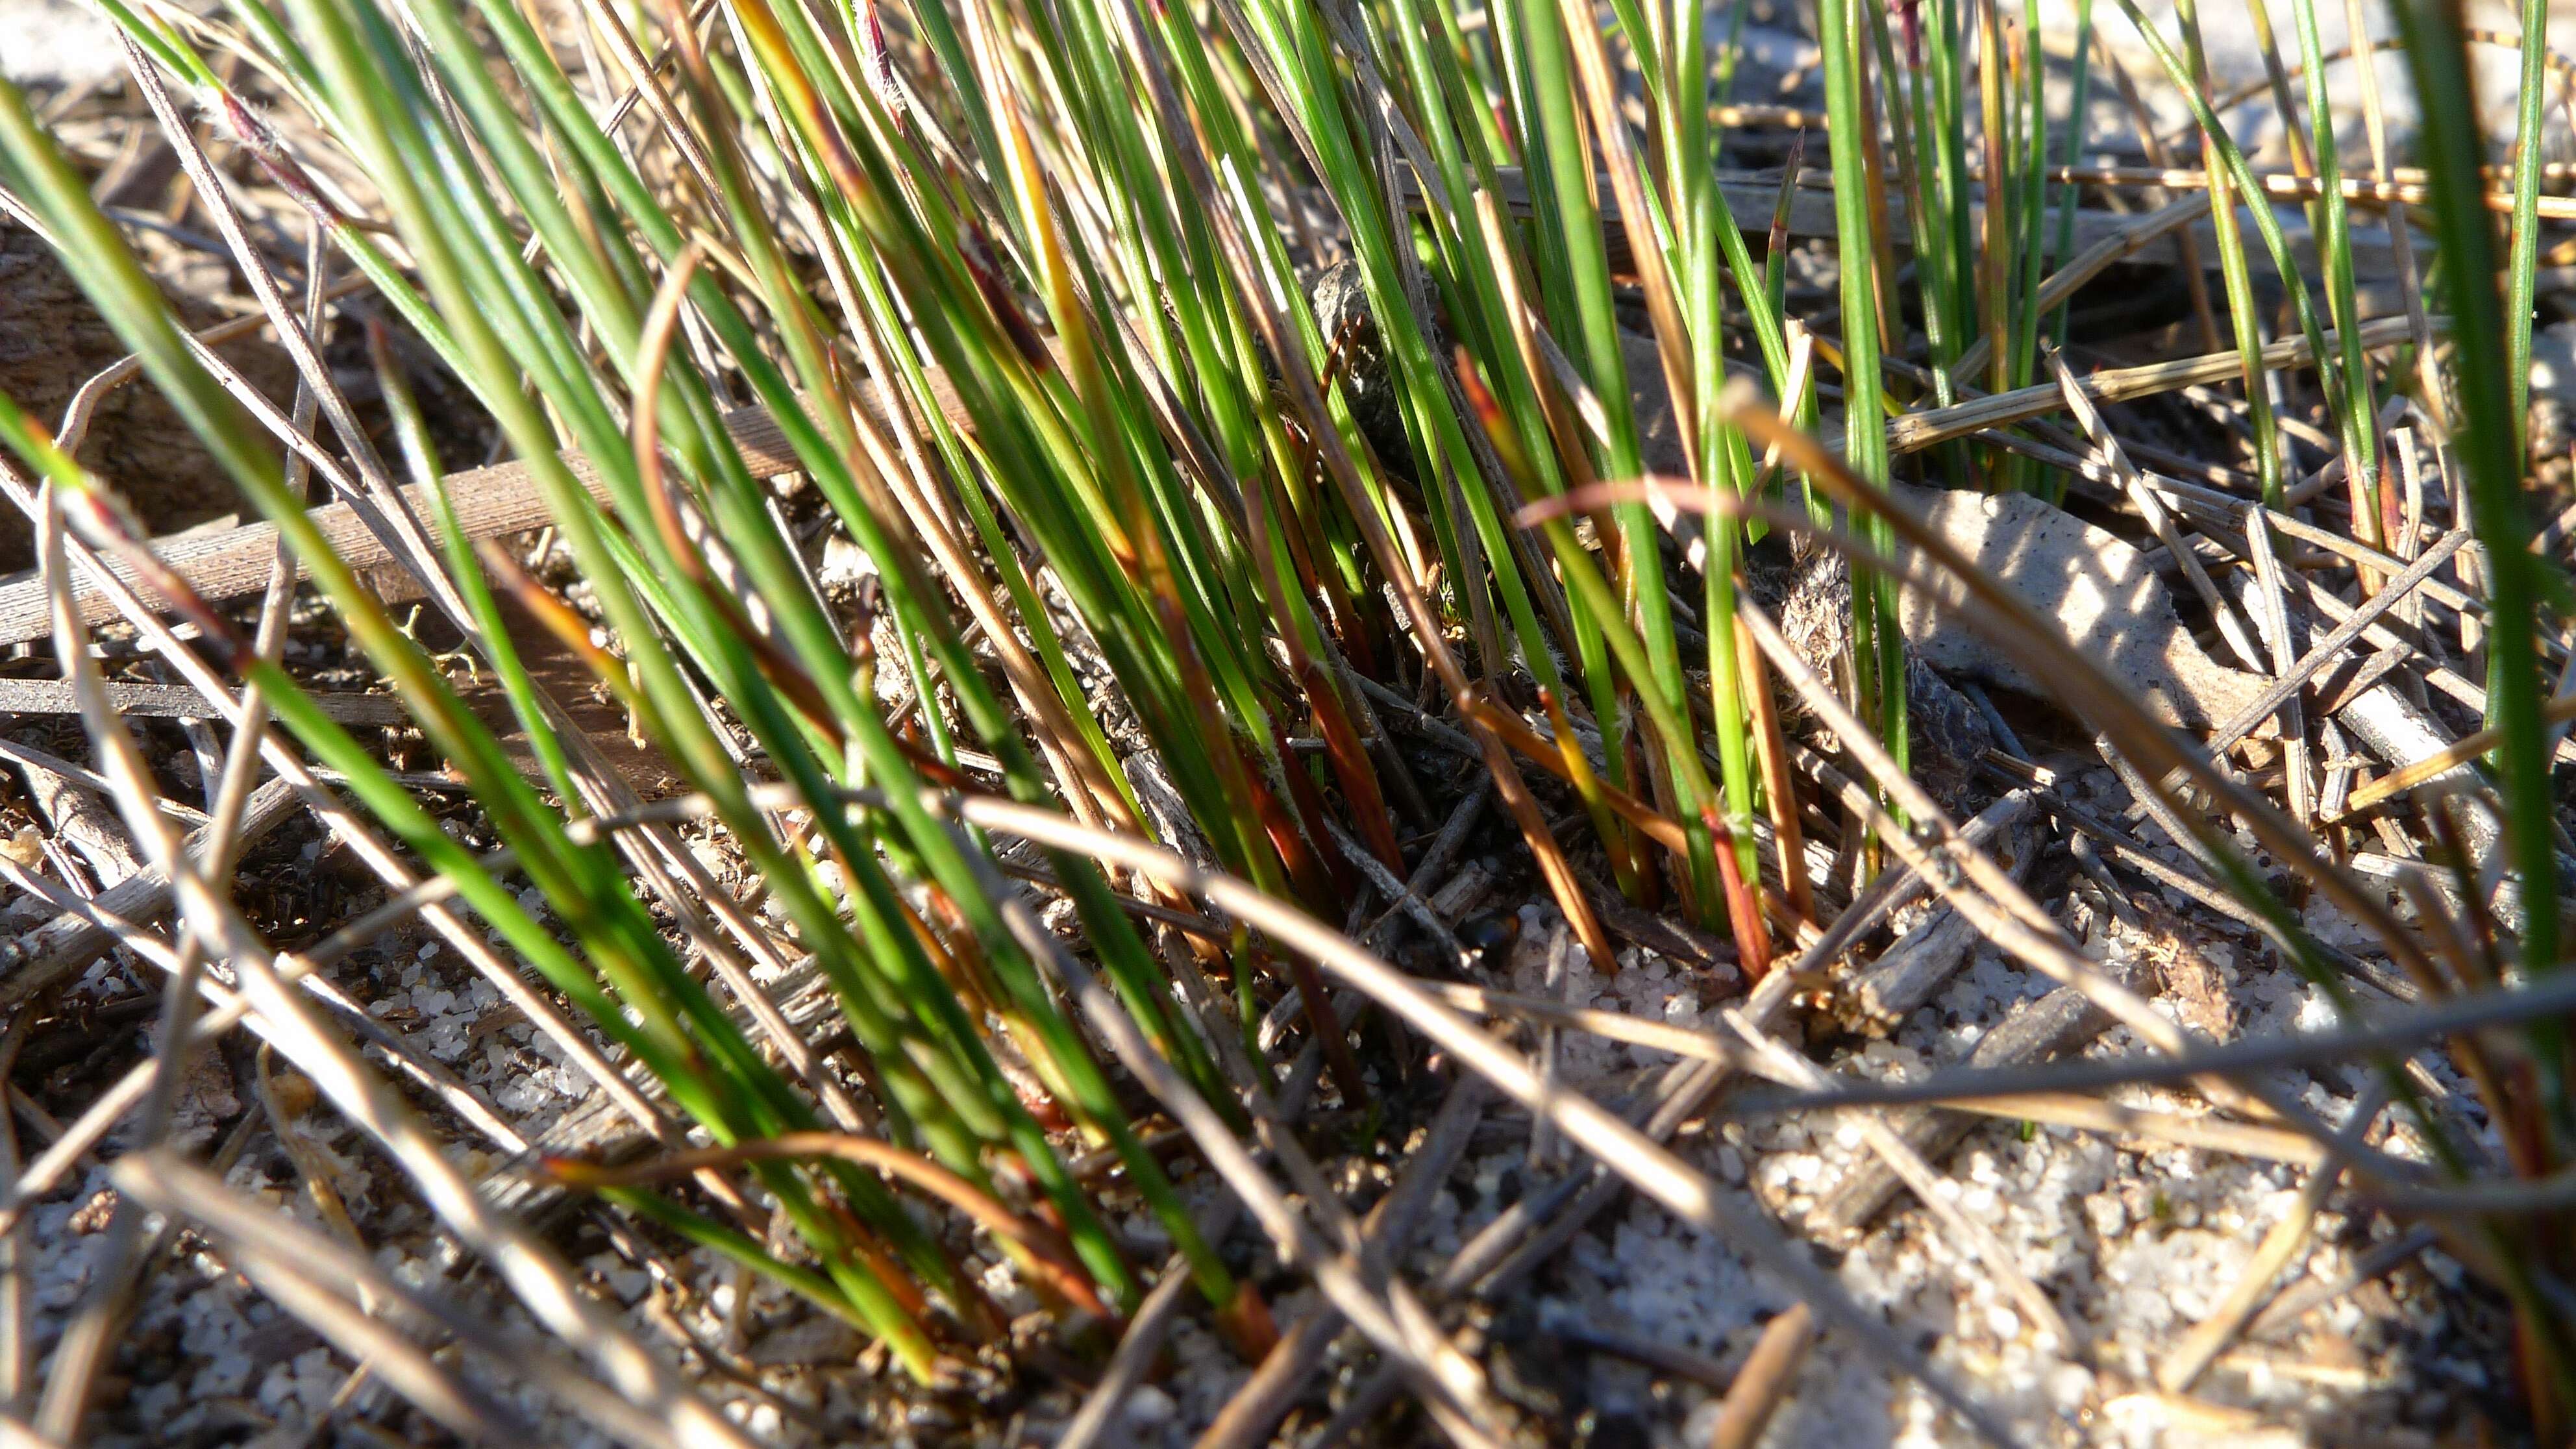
1149 1405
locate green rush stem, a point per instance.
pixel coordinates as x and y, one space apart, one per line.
2486 435
2268 225
2358 418
2029 216
2522 270
1995 250
2079 122
2518 581
1879 647
2238 278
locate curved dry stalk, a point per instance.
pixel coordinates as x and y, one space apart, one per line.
2094 1114
1958 1087
84 403
2090 1114
2419 1024
652 348
1052 1255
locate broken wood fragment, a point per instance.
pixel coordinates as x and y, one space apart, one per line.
180 701
490 503
67 944
1912 971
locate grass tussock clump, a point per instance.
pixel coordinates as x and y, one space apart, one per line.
1086 505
